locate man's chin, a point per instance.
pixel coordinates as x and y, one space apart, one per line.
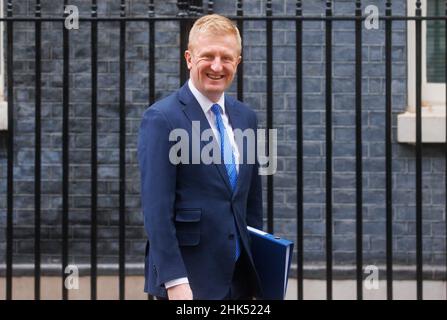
215 90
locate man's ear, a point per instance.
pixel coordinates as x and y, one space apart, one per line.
188 58
238 60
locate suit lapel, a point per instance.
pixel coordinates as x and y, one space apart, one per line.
194 112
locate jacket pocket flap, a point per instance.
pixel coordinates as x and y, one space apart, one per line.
188 215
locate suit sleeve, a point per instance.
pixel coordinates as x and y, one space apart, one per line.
158 181
254 200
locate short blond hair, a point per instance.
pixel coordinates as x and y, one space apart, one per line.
214 24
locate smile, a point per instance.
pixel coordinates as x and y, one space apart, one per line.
214 77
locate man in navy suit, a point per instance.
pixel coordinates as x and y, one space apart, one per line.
196 214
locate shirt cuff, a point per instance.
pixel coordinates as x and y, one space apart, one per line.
176 282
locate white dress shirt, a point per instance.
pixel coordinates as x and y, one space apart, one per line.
206 105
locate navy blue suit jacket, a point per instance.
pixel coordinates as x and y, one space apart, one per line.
189 209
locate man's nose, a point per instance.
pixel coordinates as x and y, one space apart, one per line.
216 65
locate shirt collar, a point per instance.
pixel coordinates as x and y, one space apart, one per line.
203 101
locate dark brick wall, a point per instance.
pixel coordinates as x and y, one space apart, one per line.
167 73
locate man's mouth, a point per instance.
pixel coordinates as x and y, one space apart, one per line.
214 77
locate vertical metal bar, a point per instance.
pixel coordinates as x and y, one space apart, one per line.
37 154
445 152
184 33
358 149
122 142
210 6
65 151
328 151
94 154
151 13
182 6
240 71
418 152
198 7
10 170
388 156
193 7
299 148
269 48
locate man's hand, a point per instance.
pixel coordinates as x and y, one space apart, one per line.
180 292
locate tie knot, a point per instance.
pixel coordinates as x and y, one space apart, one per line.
216 109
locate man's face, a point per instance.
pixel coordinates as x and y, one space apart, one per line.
212 63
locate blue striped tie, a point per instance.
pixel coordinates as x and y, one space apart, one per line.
226 153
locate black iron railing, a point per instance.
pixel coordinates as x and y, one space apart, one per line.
188 11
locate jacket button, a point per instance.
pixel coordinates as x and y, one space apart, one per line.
231 236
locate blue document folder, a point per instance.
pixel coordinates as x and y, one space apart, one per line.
272 257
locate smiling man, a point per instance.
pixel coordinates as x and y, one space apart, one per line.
196 215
